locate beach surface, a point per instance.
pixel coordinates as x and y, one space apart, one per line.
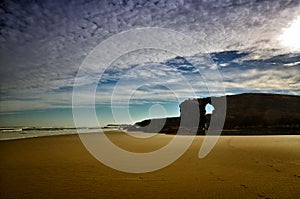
237 167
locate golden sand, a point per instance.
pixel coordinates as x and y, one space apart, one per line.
238 167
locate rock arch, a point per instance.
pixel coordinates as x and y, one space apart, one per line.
195 110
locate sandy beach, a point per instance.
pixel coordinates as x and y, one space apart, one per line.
238 167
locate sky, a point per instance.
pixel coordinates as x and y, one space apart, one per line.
254 46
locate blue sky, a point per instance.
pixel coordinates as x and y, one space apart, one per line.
254 45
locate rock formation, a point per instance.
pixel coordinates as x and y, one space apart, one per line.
243 111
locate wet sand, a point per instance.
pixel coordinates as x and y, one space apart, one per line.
238 167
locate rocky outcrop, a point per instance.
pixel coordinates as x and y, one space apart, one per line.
162 125
243 111
258 110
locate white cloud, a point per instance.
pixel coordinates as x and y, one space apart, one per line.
292 63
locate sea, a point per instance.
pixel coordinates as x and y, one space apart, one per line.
12 133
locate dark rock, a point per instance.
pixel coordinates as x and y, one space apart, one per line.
243 112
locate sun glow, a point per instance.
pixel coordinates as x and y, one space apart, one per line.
291 35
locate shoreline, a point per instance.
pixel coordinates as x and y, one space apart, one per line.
224 133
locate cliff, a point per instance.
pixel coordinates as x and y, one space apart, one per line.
243 112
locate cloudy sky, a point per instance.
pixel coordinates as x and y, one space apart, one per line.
254 46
